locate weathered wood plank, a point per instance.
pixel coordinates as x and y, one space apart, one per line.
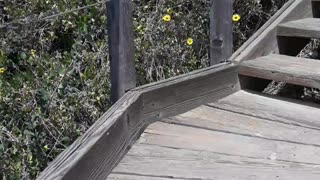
293 70
123 176
94 154
176 163
121 47
207 117
264 41
221 41
197 139
308 28
180 94
278 110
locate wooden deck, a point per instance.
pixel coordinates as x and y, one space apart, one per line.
172 130
241 137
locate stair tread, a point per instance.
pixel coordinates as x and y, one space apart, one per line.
293 70
307 28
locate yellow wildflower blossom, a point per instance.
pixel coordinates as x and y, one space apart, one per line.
189 41
236 17
33 52
2 70
166 18
169 11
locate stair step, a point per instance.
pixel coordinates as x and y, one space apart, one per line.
306 28
293 70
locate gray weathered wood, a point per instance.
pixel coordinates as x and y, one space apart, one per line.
210 118
168 150
94 154
293 36
198 139
121 176
180 94
221 41
308 28
279 110
121 47
264 41
293 70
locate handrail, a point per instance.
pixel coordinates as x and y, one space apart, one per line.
95 153
264 41
120 31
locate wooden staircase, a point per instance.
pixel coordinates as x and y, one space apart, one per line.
207 125
292 37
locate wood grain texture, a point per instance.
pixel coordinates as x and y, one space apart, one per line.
206 117
293 70
197 139
124 176
264 41
221 41
94 154
308 28
121 47
272 108
174 151
242 136
181 94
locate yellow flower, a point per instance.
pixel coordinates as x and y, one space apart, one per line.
169 11
236 17
33 52
189 41
166 18
46 147
2 70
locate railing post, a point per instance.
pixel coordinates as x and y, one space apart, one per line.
220 31
121 47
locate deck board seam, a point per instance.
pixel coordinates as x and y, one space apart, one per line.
157 176
263 118
226 154
239 134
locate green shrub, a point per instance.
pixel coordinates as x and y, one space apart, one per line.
54 74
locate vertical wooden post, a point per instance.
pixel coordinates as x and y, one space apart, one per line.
221 41
121 47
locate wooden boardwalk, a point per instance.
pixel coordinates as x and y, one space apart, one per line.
214 123
242 137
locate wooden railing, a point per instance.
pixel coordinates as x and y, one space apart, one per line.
121 45
96 152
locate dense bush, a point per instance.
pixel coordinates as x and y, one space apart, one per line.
54 73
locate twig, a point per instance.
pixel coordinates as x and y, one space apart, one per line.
23 21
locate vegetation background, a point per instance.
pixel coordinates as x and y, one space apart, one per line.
54 73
